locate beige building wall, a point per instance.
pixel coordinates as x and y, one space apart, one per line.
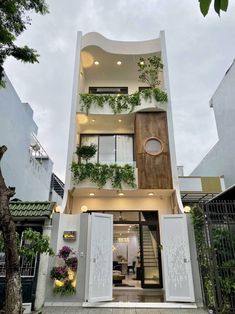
163 206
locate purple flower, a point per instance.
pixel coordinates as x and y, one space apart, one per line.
72 262
59 272
64 252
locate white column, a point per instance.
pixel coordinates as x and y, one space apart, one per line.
42 271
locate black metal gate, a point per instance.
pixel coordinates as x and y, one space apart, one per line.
217 255
29 273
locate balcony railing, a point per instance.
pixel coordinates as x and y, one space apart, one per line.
106 176
122 104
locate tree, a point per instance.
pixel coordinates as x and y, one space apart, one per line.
219 5
149 70
13 21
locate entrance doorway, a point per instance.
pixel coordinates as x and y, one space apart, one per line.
136 249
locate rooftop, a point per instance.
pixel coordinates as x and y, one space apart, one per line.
32 209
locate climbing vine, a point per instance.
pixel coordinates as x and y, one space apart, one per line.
121 103
222 251
101 173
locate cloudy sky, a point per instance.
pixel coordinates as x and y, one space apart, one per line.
199 52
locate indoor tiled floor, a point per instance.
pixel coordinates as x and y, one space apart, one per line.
137 295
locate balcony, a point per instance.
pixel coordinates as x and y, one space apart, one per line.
105 176
148 99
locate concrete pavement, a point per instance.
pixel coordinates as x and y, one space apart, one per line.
79 310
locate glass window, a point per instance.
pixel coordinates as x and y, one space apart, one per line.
107 149
88 140
124 149
153 146
110 148
108 90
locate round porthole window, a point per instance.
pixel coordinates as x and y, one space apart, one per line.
153 146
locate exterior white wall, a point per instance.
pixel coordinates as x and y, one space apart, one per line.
120 47
72 127
164 205
220 159
170 124
30 178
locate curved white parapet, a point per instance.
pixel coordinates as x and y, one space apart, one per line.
146 105
121 47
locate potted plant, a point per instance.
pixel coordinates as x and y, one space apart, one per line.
65 276
59 272
149 69
64 252
86 151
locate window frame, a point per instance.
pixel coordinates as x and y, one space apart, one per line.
111 134
123 90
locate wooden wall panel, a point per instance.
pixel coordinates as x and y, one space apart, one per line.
154 172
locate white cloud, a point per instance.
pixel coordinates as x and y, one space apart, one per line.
199 52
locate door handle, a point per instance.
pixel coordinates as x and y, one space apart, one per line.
186 260
94 260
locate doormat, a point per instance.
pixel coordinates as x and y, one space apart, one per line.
123 285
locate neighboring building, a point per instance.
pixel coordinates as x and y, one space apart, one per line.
35 215
195 189
26 165
145 215
28 168
219 161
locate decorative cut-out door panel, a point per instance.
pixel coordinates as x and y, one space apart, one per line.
177 267
99 258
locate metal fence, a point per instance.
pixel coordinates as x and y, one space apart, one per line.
217 258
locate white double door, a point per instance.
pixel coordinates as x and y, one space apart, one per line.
177 270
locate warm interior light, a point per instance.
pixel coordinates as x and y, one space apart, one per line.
150 194
120 193
119 120
119 62
96 63
92 194
93 120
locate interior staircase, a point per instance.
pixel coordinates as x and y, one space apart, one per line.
150 255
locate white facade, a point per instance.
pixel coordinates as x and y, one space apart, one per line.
117 68
25 165
219 161
85 75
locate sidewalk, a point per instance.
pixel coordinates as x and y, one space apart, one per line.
79 310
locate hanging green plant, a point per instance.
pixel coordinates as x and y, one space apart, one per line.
121 103
149 70
86 151
101 173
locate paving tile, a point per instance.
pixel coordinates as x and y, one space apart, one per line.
80 310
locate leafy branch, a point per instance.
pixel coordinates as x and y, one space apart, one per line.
150 69
219 5
34 243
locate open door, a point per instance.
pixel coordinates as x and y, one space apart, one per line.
99 266
177 268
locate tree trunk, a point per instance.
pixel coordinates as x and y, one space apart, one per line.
13 299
